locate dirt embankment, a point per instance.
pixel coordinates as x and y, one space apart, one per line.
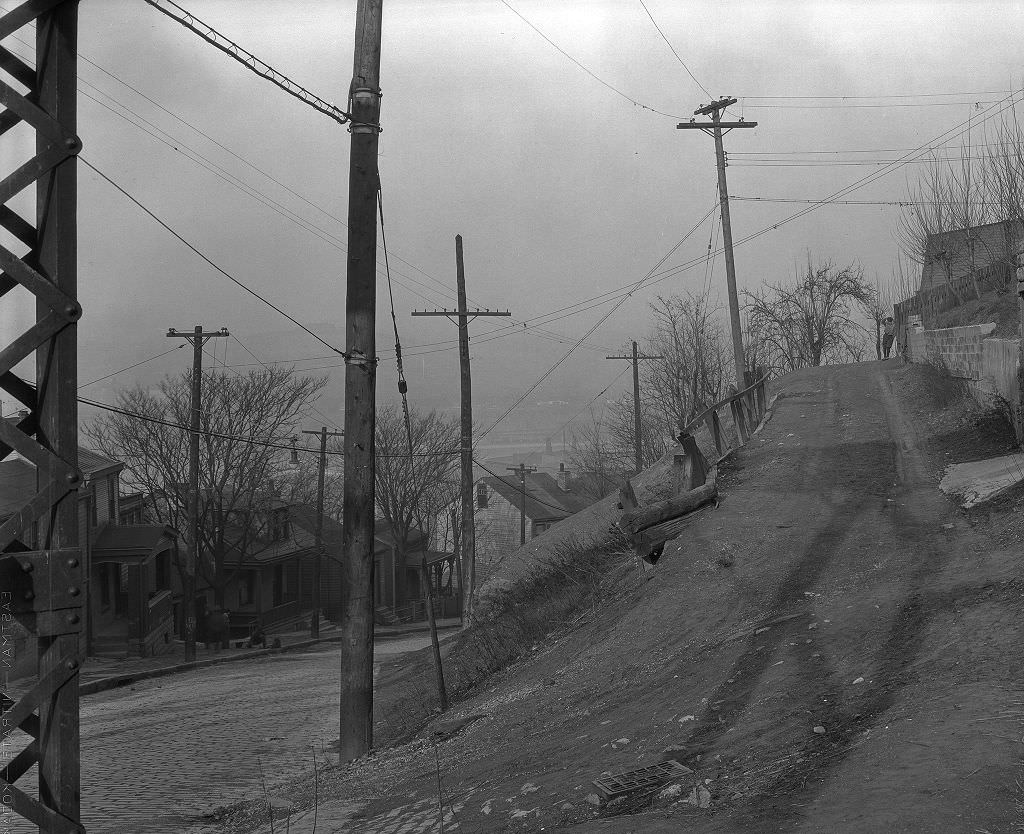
834 648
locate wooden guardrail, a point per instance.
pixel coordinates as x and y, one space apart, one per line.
748 409
694 478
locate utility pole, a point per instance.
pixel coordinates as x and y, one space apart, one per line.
314 621
198 338
462 316
522 469
715 129
1019 410
356 714
637 436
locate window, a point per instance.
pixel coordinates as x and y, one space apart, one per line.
124 578
93 513
111 501
481 496
247 588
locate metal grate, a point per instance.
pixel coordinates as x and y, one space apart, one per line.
630 781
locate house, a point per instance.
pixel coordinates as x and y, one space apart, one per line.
128 604
397 589
982 253
499 511
264 583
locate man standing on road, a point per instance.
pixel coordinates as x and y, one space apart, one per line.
888 334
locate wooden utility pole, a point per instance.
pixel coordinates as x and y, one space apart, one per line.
356 715
462 317
522 469
637 433
715 129
1019 413
198 338
323 434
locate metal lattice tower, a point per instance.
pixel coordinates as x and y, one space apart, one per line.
41 572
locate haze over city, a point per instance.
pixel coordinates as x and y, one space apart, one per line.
545 134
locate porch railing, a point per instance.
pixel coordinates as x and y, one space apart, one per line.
158 610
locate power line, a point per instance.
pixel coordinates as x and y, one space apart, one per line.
219 269
895 95
313 408
838 202
975 104
588 71
220 172
678 58
636 286
270 444
143 362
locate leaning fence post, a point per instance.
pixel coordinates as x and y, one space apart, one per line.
739 419
688 467
715 427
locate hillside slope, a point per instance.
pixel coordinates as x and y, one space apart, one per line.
835 648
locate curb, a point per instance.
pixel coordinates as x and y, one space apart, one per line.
116 681
128 678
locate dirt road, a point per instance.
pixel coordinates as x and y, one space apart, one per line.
834 588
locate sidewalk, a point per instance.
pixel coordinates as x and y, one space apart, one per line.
100 673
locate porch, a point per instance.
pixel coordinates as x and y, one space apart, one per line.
130 606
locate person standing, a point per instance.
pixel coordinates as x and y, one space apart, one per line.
888 335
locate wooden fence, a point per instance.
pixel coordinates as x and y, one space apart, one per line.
747 408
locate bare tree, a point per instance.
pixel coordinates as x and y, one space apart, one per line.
810 321
599 462
688 333
412 489
244 417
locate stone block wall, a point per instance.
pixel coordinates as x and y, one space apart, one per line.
990 365
958 349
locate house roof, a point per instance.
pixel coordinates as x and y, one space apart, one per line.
18 477
953 254
131 543
544 499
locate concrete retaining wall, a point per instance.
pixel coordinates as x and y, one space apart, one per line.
991 365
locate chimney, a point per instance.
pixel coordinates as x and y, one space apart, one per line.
563 478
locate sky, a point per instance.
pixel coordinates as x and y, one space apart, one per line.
544 133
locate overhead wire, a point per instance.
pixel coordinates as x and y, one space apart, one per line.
586 69
130 367
312 408
635 287
176 145
208 260
518 487
653 274
674 52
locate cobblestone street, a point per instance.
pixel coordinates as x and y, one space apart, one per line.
170 748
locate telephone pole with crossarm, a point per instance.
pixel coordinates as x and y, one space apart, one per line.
716 128
462 317
637 442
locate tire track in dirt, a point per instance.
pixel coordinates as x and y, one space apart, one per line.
915 517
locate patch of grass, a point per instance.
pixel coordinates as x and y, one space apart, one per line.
575 579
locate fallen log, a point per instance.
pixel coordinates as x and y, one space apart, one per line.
635 520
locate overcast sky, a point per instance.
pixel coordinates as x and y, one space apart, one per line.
564 186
